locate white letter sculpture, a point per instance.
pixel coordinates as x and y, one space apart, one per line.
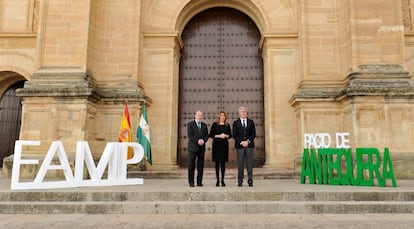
114 157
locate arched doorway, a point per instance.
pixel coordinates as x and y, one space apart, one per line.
10 118
221 69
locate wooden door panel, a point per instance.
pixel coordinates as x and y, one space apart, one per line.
10 116
221 69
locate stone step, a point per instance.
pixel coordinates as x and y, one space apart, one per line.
173 196
221 195
206 202
207 207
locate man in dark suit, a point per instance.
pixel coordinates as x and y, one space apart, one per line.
244 132
197 134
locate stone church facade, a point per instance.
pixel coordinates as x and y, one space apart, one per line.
327 66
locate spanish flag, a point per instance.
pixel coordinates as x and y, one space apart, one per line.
125 133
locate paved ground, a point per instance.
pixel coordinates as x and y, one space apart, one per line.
256 221
208 221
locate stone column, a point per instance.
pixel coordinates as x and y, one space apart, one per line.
377 32
160 73
326 57
55 100
281 68
376 90
378 74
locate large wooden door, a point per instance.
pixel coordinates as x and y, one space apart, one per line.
221 69
10 116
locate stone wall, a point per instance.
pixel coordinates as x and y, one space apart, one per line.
329 66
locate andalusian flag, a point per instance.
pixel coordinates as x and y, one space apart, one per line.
143 134
125 133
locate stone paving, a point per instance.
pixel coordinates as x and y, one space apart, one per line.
256 221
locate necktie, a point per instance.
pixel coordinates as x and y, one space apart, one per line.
199 125
244 123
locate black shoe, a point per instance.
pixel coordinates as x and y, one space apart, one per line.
217 184
240 184
200 185
192 185
222 183
250 181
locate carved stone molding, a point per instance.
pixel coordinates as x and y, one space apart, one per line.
366 80
377 80
78 85
406 14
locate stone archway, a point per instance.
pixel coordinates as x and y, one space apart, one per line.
221 69
162 44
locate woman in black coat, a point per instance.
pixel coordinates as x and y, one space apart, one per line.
220 132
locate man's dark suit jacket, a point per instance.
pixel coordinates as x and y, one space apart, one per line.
194 135
240 134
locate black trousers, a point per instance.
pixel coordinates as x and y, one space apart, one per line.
192 158
245 156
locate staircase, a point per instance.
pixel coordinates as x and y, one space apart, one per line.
173 196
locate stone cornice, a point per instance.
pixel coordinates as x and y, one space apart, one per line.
168 34
79 85
281 35
366 80
18 35
161 34
272 39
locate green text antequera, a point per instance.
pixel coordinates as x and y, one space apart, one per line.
336 166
